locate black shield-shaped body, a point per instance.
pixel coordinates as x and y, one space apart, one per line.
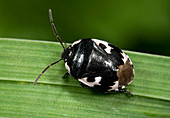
98 64
95 63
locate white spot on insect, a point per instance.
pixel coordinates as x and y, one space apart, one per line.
108 63
130 62
70 54
99 41
115 86
133 74
67 67
91 84
76 42
123 87
97 80
125 57
108 48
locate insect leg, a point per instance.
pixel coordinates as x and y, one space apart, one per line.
125 90
66 74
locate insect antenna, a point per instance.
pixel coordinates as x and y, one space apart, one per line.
54 28
46 70
66 44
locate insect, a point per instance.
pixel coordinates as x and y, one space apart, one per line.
95 63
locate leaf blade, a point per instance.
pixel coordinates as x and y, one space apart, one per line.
23 60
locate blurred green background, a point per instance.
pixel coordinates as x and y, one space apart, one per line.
142 26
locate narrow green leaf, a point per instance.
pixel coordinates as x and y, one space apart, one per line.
21 61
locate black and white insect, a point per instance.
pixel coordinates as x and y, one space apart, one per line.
96 64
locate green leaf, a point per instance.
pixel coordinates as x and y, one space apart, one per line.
21 61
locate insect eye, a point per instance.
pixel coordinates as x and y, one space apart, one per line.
67 54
